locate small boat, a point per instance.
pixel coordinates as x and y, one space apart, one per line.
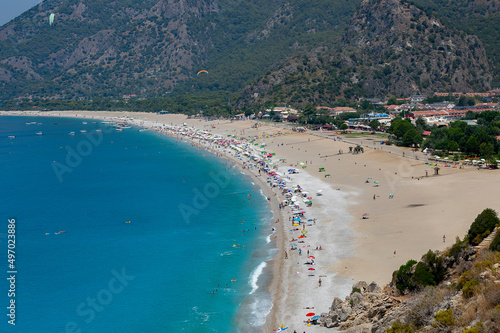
39 133
142 130
71 133
83 131
12 136
119 129
98 130
85 123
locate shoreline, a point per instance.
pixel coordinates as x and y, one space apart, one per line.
275 264
404 227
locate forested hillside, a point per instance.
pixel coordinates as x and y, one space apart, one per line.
254 51
390 47
155 47
475 17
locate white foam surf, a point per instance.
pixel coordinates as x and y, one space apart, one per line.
254 276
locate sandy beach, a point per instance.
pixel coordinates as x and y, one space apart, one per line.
424 207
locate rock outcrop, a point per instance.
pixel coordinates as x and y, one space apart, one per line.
468 297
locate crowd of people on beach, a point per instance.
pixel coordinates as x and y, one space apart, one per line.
291 199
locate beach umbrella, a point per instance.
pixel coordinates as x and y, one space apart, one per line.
375 182
365 214
304 231
312 257
315 317
293 244
311 269
310 220
302 236
310 314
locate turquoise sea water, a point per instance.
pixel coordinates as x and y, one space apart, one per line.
81 267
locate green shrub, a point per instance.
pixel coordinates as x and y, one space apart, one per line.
444 318
466 277
484 224
457 248
469 288
423 275
495 245
404 280
399 327
483 265
355 290
436 266
479 328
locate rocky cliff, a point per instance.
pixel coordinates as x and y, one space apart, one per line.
467 300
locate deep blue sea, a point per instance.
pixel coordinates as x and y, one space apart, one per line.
127 231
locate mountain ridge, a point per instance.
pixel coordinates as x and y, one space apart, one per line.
390 47
155 48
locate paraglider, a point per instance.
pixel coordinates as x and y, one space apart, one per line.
202 71
51 19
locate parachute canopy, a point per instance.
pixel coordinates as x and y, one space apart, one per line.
51 19
202 71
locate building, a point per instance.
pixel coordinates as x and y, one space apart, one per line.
417 98
341 109
283 111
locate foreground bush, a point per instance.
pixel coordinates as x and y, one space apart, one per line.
482 226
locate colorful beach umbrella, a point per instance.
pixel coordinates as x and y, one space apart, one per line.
312 257
311 269
310 314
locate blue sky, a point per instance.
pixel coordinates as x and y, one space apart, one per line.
13 8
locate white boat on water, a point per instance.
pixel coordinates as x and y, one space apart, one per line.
71 133
119 129
85 123
98 130
12 136
39 133
83 131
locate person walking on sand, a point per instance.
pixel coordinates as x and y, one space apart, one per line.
374 197
319 282
444 238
